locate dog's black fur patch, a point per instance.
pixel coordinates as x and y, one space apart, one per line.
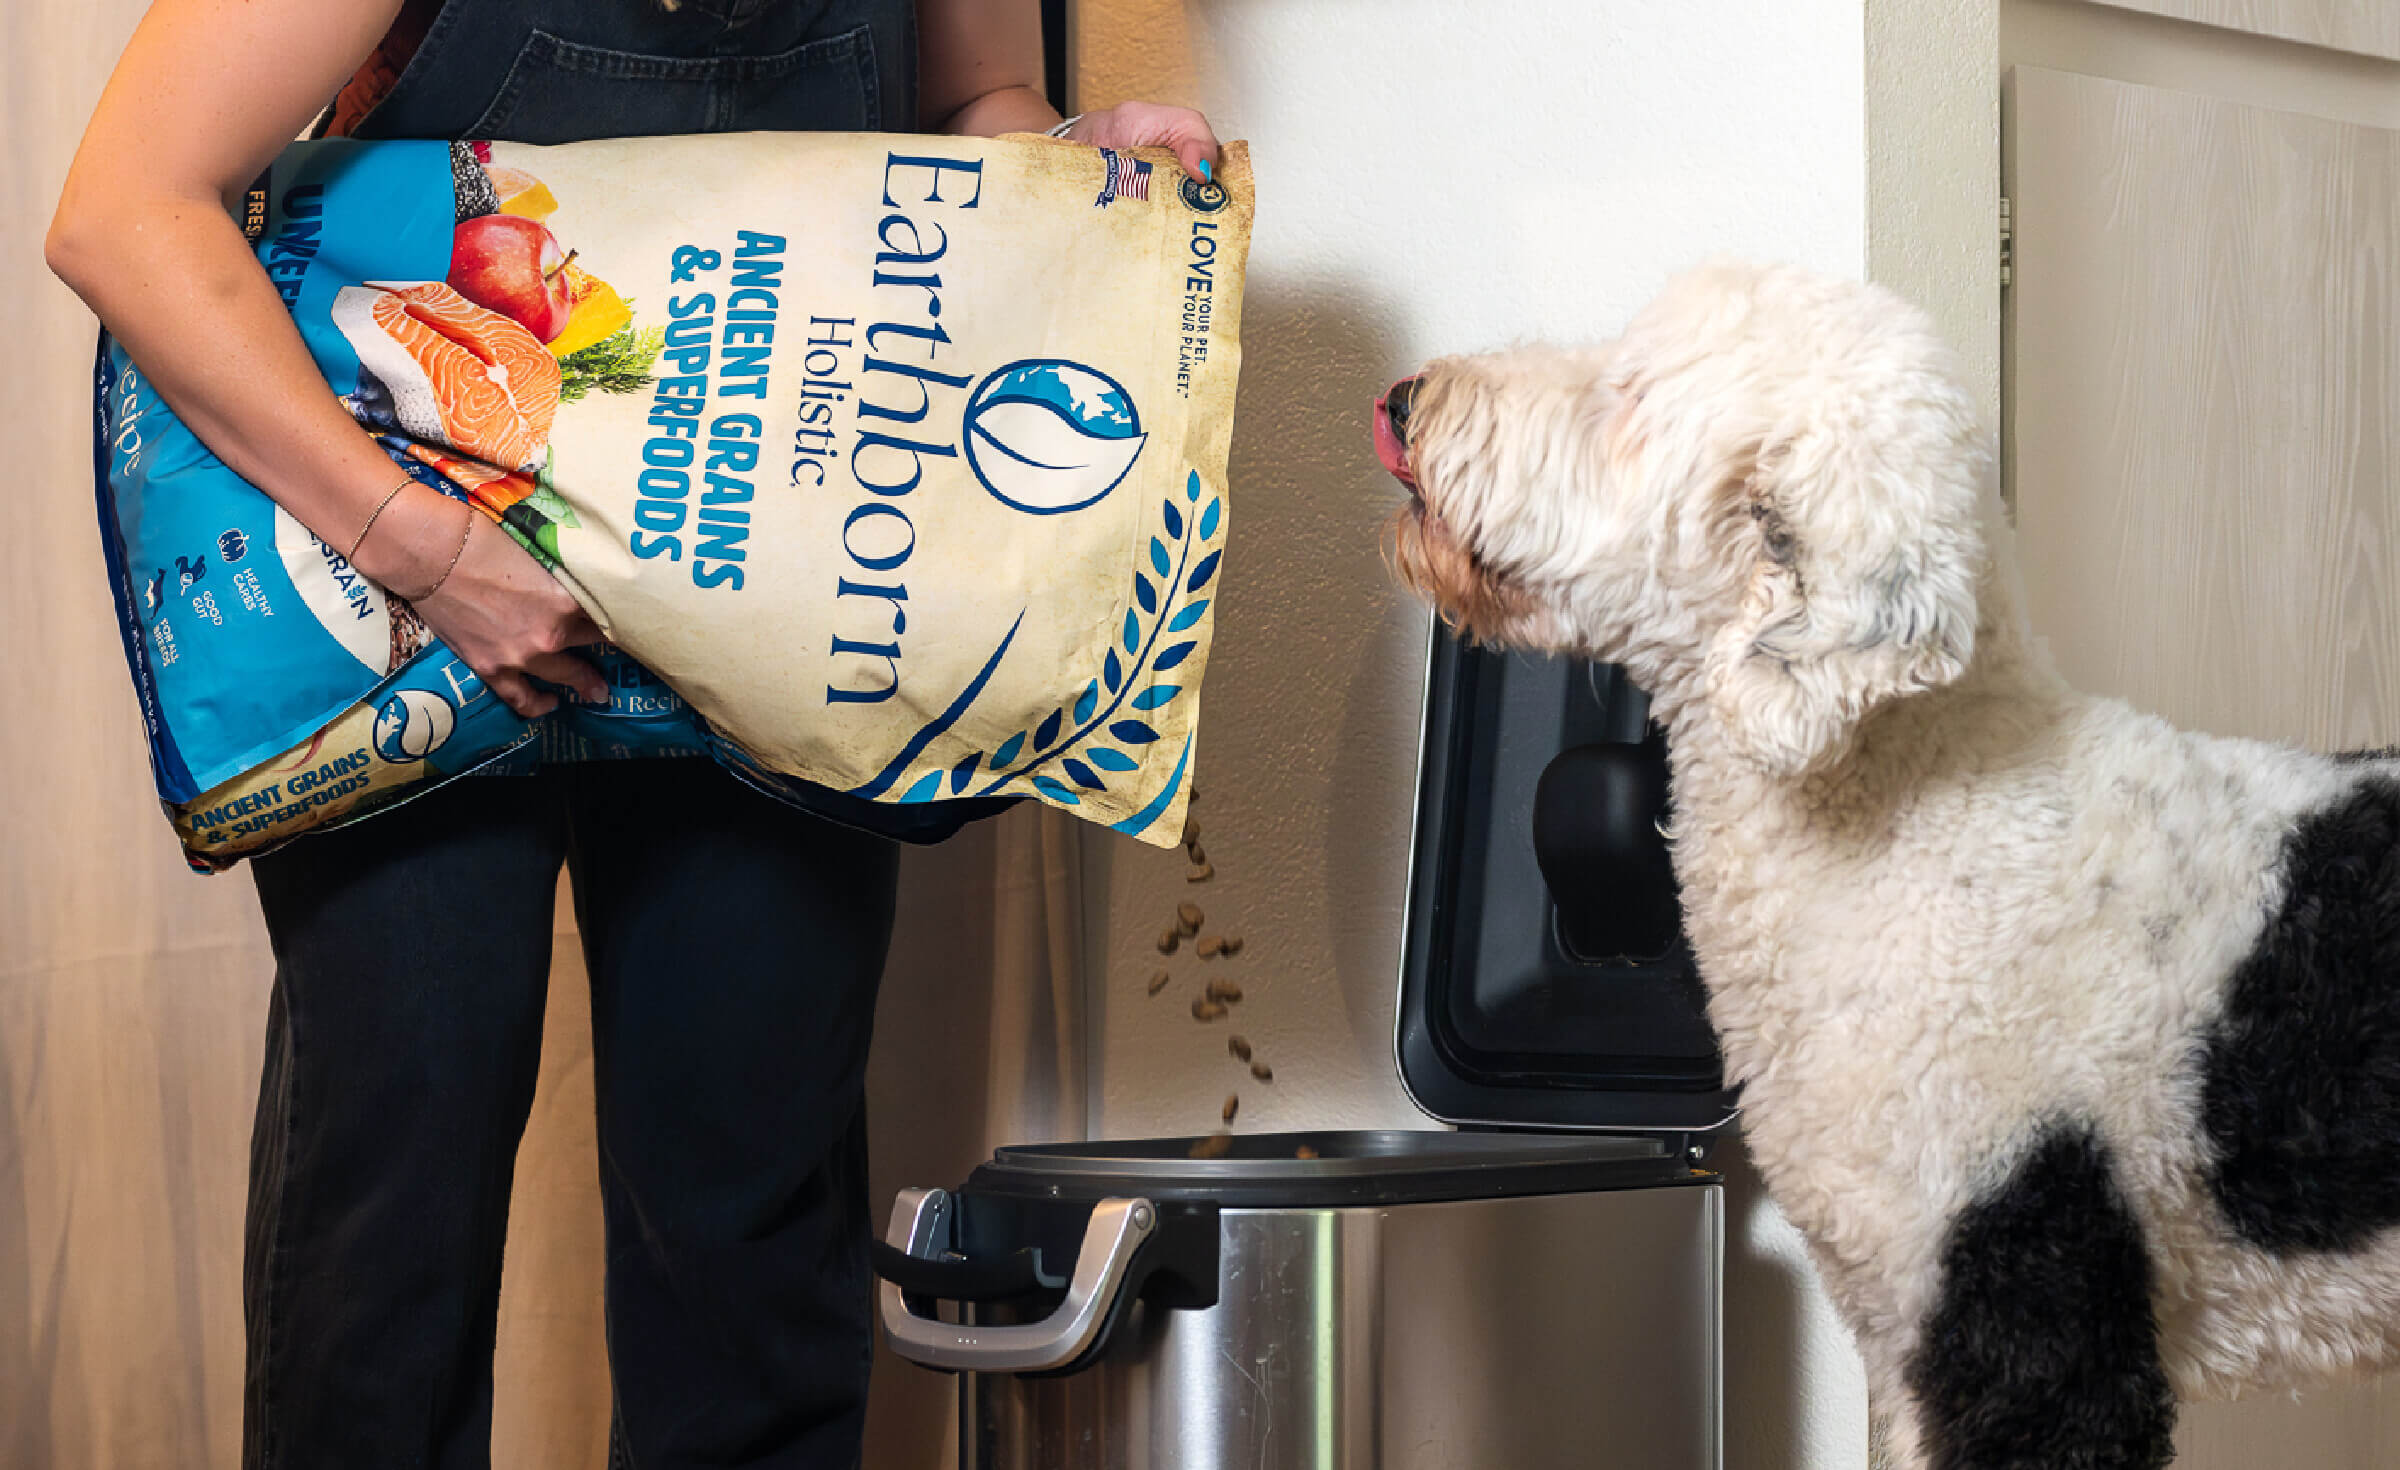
2041 1352
2302 1072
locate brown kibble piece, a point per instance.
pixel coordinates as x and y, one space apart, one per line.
1224 990
1214 1146
1195 852
1207 1009
1167 940
1239 1046
1304 1152
1262 1071
1233 1105
1232 944
1189 916
1200 874
1191 828
1158 981
1209 947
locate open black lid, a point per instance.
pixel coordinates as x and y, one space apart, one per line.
1545 981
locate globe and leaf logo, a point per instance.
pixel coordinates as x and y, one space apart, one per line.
1047 436
412 724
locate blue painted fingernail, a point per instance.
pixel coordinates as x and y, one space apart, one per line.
1206 172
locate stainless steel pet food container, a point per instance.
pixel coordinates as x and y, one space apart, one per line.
1337 1301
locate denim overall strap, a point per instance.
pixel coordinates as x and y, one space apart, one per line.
558 71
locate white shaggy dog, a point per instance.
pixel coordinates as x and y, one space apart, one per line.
2070 1041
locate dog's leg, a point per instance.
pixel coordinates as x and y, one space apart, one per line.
2041 1352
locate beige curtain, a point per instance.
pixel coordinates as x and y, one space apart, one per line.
132 994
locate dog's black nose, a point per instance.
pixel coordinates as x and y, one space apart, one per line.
1397 401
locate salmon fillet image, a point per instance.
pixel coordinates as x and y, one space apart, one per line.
456 375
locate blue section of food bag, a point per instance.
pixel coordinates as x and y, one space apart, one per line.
384 212
485 725
166 762
234 683
643 717
462 727
226 683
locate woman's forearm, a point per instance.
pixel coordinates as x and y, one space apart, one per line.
177 285
1012 109
207 92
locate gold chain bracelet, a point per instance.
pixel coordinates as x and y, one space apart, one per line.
361 538
464 532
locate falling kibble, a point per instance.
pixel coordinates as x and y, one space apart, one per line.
1231 945
1201 873
1233 1105
1262 1071
1206 1009
1239 1046
1304 1152
1189 916
1214 1146
1168 939
1209 947
1158 981
1224 990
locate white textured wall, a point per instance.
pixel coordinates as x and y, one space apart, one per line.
1435 177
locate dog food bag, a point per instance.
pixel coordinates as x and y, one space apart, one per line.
900 460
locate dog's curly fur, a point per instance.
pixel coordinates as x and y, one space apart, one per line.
2069 1040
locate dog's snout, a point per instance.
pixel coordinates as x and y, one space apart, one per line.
1397 401
1391 429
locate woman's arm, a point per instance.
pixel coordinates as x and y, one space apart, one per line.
205 96
979 70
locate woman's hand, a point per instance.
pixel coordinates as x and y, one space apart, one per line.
1147 124
494 606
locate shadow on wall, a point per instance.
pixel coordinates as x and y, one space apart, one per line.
927 1079
1308 744
1766 1397
28 1363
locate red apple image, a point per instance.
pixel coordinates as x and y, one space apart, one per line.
512 265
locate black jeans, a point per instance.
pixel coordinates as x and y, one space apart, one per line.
734 948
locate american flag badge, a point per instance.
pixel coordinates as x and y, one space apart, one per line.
1128 178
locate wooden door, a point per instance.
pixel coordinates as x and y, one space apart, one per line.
2205 419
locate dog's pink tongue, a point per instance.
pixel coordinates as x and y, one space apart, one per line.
1389 449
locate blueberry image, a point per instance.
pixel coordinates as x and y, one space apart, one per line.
1051 436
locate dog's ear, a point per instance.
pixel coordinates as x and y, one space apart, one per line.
1866 550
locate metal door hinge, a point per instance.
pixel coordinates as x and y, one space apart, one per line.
2008 244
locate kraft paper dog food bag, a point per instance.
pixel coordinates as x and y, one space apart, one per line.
899 460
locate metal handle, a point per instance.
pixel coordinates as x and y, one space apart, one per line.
920 1219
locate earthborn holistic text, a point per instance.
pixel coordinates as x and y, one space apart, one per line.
893 468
